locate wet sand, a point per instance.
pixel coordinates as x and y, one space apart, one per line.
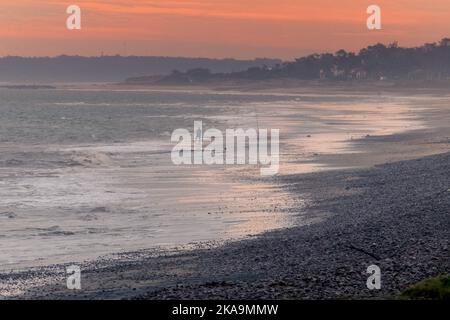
394 215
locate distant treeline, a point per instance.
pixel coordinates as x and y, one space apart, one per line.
110 68
378 62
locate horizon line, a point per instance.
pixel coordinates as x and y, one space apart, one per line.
117 55
214 58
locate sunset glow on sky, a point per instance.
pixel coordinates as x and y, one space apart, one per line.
215 28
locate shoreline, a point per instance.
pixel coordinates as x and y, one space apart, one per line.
326 259
284 86
392 215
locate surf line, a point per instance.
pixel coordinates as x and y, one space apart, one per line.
236 146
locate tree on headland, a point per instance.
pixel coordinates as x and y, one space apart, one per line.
430 61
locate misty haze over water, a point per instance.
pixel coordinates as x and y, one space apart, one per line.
72 69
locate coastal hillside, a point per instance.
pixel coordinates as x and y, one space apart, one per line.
430 61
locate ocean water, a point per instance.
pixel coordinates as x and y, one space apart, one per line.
84 173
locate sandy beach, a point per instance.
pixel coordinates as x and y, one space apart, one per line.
363 183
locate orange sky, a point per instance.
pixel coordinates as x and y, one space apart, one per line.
215 28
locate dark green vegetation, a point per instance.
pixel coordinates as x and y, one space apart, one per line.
437 288
378 62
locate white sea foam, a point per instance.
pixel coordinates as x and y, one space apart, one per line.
101 181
